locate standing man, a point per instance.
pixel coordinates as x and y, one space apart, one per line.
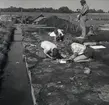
83 17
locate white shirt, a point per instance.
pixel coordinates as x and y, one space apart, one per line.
78 48
52 34
48 46
59 32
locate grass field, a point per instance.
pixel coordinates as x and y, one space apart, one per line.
94 18
67 16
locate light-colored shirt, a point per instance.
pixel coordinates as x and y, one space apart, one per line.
85 9
52 34
78 48
59 32
47 46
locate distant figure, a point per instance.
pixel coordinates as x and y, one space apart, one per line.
82 17
50 49
91 31
57 34
81 53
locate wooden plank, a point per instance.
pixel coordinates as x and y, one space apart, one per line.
39 27
44 27
30 80
98 47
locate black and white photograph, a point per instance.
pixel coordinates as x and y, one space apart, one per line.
54 52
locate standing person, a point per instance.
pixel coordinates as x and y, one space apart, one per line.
83 17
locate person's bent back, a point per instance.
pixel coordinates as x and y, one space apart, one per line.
81 53
50 49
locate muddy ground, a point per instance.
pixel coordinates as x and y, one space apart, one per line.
66 84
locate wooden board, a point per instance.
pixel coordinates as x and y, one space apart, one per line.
98 47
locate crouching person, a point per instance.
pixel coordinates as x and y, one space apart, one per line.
91 31
81 53
51 50
57 34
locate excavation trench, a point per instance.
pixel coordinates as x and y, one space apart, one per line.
15 87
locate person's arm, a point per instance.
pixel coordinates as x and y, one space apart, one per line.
72 57
48 54
79 15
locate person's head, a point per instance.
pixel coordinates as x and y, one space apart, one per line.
83 2
91 28
56 31
56 53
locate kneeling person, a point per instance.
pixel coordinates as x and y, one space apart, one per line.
50 49
57 34
91 31
81 53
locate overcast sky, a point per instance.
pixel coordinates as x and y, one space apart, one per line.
72 4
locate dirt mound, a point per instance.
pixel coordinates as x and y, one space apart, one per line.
60 23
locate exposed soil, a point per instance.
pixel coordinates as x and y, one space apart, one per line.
66 84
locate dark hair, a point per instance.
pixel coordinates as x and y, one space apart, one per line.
56 53
83 1
56 31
